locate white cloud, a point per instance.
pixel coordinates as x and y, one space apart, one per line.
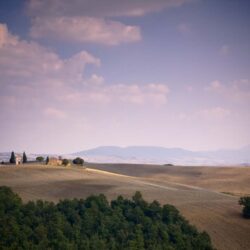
155 94
238 90
241 89
55 113
214 86
214 113
90 21
211 114
6 37
147 94
95 80
82 29
104 8
32 64
30 72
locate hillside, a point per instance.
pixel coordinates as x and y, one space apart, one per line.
161 155
217 213
155 155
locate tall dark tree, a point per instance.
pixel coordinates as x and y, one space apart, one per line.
47 160
12 158
24 158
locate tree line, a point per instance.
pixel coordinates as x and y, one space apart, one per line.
65 162
95 223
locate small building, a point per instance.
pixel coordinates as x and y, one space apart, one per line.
18 159
54 161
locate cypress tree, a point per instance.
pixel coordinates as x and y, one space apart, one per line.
47 160
13 158
24 158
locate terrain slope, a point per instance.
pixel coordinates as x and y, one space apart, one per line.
196 191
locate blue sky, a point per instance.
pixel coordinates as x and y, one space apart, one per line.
171 73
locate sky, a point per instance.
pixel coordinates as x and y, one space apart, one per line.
81 74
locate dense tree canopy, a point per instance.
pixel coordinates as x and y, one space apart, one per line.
94 223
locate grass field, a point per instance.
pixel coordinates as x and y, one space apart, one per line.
231 180
196 191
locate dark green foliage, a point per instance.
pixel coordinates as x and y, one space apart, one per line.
94 223
47 160
78 161
13 158
245 202
24 158
65 162
39 158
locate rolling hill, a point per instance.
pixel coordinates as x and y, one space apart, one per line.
161 155
156 155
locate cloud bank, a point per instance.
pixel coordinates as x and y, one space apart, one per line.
90 21
31 70
85 29
96 8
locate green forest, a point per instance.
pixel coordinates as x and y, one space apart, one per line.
95 223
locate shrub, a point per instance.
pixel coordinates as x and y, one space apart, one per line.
78 161
39 158
65 162
245 202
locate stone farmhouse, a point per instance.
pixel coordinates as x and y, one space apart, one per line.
54 161
19 159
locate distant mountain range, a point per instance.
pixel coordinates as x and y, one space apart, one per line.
157 155
161 155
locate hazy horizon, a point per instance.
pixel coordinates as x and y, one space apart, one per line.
78 75
122 147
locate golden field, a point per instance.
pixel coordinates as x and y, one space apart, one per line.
206 196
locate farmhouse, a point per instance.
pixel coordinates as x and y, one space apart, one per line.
19 159
54 161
